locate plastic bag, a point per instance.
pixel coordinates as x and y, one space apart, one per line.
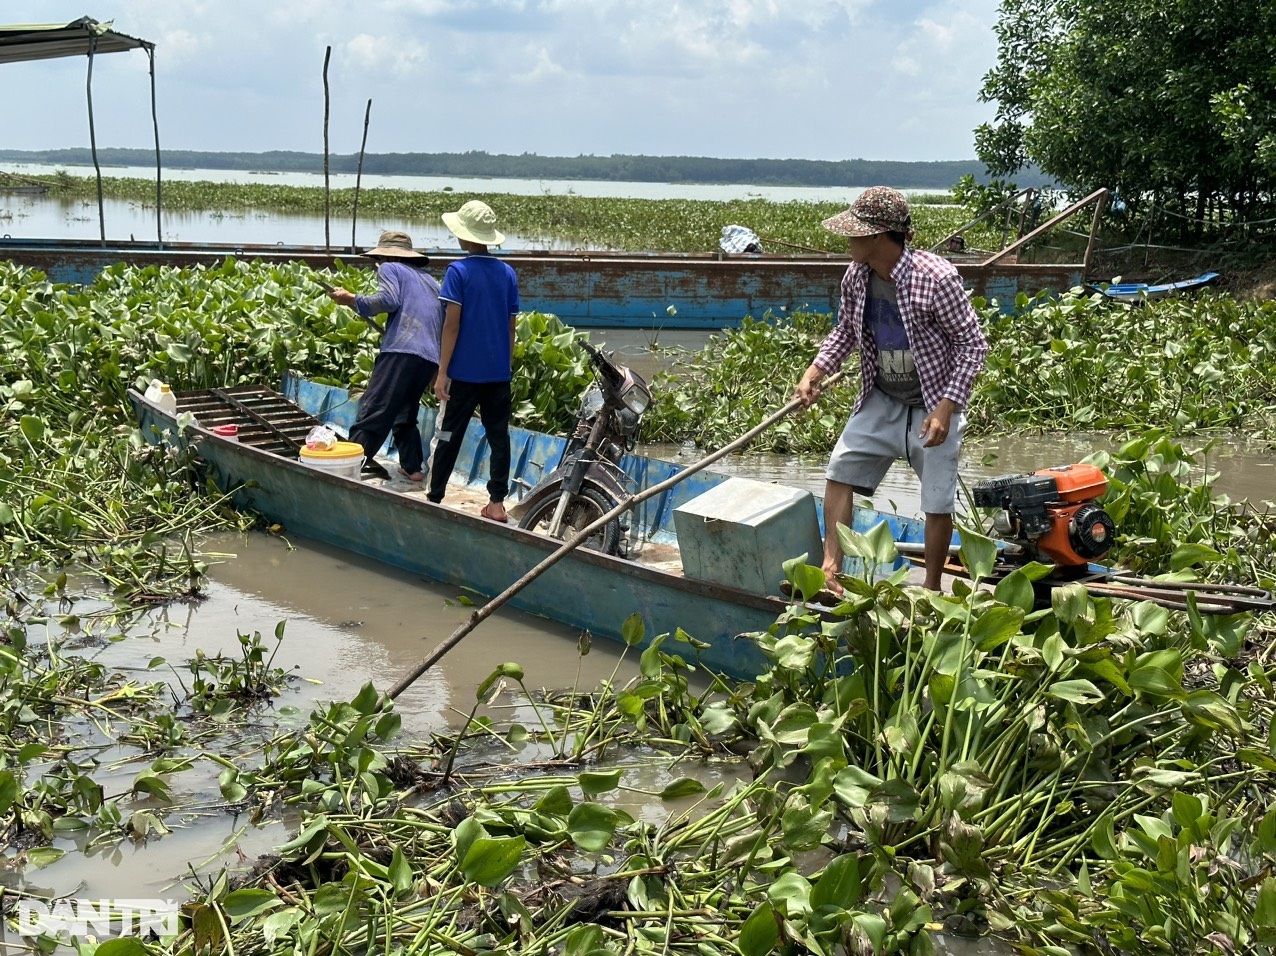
321 437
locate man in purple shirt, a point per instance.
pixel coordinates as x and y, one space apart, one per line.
409 356
920 349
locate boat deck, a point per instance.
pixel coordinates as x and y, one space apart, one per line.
471 498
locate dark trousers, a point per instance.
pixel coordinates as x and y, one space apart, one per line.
492 399
392 404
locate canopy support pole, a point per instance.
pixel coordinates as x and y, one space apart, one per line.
88 85
159 191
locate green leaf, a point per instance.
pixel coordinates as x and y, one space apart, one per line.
807 580
1265 908
1157 681
685 787
804 827
365 702
1076 691
1190 554
400 872
1070 603
122 946
791 894
760 933
180 352
303 840
996 626
1207 709
978 554
277 924
632 631
585 940
241 904
41 856
841 885
556 802
881 542
490 860
591 826
594 782
1015 590
32 427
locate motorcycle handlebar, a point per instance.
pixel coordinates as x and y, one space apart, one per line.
602 360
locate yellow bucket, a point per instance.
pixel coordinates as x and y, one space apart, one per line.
344 458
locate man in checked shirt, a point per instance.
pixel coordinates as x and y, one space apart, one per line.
920 349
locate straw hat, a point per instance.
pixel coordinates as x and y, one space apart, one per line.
395 245
474 222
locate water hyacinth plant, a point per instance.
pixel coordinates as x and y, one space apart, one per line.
660 225
77 486
1075 362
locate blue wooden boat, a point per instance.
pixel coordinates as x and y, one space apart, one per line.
699 291
586 589
1138 291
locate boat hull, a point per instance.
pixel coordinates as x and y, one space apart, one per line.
584 289
585 590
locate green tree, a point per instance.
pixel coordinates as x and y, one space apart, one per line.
1169 101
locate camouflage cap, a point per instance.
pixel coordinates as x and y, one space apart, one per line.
878 209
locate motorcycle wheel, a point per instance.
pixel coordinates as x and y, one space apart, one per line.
586 508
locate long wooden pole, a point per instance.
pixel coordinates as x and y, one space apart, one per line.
358 178
327 193
490 608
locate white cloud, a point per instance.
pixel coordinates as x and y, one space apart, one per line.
827 79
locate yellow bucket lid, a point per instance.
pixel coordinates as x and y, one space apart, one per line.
342 449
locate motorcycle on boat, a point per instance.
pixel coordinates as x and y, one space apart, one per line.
588 481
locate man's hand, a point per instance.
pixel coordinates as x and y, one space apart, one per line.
808 389
341 297
936 425
441 382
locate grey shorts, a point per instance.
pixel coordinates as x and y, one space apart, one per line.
883 431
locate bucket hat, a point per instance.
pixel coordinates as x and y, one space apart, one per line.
474 222
878 209
394 244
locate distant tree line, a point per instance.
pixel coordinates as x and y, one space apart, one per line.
660 169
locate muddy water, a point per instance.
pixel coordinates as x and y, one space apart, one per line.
346 622
1244 471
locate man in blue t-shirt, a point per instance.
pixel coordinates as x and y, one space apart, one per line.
476 353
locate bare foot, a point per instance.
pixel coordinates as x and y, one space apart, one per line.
412 475
495 511
830 579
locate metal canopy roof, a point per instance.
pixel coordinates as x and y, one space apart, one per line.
82 37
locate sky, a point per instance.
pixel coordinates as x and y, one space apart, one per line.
780 79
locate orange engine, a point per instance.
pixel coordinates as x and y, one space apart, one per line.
1053 513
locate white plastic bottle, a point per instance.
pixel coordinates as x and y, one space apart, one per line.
160 393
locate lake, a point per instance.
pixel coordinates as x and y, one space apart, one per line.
43 217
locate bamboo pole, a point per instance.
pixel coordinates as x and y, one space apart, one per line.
358 178
97 168
488 609
159 188
327 196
